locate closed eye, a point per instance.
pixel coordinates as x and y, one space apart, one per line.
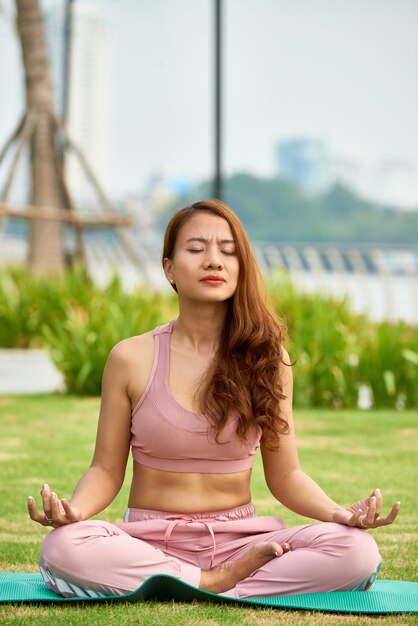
227 252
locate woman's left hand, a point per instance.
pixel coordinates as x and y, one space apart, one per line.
366 513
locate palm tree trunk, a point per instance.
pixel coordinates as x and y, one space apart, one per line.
46 244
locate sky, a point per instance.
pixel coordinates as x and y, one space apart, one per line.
342 71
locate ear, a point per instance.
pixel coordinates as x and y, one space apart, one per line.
168 269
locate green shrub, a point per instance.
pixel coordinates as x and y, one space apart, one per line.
80 344
335 350
77 322
324 340
389 364
27 303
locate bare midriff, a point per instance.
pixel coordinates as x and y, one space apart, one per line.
187 493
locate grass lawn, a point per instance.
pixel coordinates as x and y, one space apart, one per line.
348 452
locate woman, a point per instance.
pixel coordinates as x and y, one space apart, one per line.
194 399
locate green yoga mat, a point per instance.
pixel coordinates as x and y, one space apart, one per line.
386 596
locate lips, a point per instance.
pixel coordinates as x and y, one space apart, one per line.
213 280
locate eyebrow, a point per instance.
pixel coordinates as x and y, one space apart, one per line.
203 240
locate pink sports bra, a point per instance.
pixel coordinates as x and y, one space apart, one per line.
166 436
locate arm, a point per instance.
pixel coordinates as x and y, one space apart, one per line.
97 488
298 492
284 476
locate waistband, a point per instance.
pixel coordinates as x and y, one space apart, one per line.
245 511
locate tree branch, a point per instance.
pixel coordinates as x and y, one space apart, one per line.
63 215
107 205
12 138
25 136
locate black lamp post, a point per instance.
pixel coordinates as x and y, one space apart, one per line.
217 185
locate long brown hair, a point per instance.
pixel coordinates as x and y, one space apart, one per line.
244 377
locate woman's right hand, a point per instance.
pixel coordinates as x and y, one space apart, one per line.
56 512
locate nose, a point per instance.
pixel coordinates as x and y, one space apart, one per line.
213 259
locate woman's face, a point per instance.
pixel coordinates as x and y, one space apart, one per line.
204 265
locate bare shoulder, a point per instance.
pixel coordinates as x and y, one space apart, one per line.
286 362
285 356
135 347
286 374
130 361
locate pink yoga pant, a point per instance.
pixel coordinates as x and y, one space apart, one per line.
95 558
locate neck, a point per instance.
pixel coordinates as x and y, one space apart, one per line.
201 324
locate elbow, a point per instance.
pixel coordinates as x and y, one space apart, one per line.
113 475
279 485
291 470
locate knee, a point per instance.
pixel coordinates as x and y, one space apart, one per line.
366 555
59 544
67 560
360 555
67 546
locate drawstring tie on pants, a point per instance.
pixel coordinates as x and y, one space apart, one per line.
187 519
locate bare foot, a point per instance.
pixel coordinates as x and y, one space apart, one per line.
227 575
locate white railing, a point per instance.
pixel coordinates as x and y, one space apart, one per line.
381 281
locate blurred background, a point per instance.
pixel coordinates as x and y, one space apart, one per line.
300 114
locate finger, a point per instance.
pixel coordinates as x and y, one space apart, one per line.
69 512
55 507
370 517
389 519
46 499
355 518
363 519
45 491
360 506
33 513
378 496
